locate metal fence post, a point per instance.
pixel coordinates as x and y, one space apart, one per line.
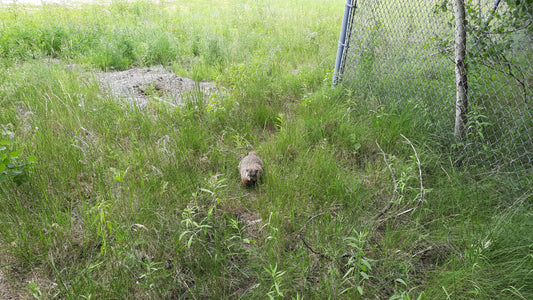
349 5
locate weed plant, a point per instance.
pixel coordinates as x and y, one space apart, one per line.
146 203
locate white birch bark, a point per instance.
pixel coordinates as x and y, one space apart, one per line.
461 100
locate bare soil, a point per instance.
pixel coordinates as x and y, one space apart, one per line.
142 85
8 289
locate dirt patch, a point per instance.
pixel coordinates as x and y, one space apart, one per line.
8 289
142 85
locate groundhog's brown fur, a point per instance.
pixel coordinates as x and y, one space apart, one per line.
251 169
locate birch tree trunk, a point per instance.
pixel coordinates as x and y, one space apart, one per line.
461 86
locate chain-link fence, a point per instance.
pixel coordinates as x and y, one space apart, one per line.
402 51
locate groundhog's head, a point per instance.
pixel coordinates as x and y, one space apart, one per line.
250 177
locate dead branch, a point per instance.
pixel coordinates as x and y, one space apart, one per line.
421 195
421 198
238 197
453 248
501 32
301 235
422 251
391 201
239 155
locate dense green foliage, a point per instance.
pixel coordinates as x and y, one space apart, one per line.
357 200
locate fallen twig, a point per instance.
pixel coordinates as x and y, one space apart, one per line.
422 251
301 235
419 171
238 197
421 196
453 248
391 201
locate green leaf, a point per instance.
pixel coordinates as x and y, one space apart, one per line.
401 281
15 154
21 179
360 290
207 191
366 263
182 234
118 175
365 276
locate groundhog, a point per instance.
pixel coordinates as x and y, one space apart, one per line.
251 168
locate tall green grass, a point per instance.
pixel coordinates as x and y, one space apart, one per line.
147 202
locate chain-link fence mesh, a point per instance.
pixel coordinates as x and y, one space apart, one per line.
403 51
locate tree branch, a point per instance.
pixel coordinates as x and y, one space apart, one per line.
301 235
391 201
